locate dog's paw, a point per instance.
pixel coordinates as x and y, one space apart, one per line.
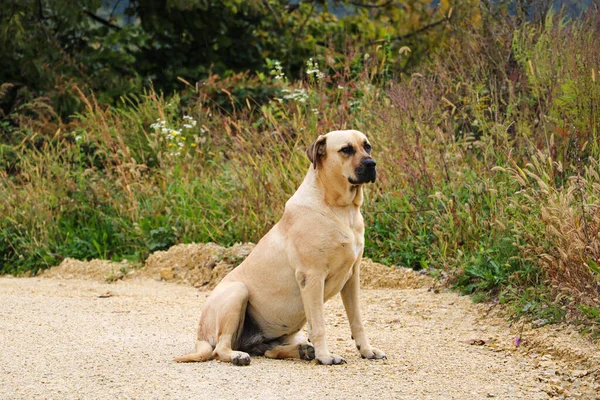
240 358
331 359
372 354
306 352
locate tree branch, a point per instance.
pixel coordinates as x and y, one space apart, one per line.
411 34
277 17
41 10
114 8
387 3
101 20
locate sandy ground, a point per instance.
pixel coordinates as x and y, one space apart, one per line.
67 339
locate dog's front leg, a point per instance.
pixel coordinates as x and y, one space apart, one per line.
350 297
311 289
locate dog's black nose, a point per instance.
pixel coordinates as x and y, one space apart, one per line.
369 163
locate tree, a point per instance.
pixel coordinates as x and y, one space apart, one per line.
115 47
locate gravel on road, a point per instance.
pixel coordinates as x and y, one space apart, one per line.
69 339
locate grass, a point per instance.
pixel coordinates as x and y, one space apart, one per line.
489 166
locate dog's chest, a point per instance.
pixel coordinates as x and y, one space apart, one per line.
347 253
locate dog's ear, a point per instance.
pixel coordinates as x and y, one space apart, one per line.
316 150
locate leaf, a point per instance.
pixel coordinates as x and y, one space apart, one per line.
594 266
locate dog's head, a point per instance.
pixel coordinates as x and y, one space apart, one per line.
346 154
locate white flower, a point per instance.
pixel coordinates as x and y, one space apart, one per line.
312 68
296 94
340 87
354 104
277 71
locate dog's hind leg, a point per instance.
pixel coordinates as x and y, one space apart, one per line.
204 352
231 311
294 346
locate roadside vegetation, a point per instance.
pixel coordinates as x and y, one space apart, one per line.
487 148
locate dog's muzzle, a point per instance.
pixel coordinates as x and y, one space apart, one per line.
365 172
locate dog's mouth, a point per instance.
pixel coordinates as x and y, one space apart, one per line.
363 175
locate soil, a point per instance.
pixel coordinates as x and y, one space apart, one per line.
204 265
105 330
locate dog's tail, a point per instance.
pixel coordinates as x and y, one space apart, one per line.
204 352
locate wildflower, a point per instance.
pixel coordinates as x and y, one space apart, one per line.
299 95
340 87
193 144
354 105
277 71
315 111
78 138
183 138
188 126
189 121
312 68
159 124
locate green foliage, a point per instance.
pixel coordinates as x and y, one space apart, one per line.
532 302
53 49
161 239
564 88
477 182
592 312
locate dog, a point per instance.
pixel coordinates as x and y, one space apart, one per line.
311 254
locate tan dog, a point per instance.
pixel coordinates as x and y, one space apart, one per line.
311 254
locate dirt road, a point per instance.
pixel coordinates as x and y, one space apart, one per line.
65 339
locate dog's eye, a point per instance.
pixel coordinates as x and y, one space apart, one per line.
368 147
348 150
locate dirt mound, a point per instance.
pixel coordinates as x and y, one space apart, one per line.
200 265
378 276
101 270
204 265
